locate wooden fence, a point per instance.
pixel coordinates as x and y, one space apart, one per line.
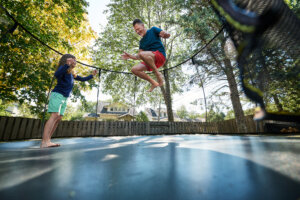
17 128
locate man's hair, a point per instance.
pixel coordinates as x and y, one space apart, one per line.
137 21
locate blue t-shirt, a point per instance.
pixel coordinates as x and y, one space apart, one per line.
65 81
151 41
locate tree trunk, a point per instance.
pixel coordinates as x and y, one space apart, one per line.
204 96
277 103
167 96
235 99
234 93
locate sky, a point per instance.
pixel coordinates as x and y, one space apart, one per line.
95 13
97 19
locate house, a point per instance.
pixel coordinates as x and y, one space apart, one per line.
153 116
163 115
108 111
13 109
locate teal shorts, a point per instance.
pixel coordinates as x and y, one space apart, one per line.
57 103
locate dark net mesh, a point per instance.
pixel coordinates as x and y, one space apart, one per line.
266 35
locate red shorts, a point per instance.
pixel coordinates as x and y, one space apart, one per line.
159 60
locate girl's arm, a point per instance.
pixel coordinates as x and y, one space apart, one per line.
79 78
61 70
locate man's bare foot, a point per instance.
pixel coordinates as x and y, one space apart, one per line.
160 80
153 86
48 145
259 114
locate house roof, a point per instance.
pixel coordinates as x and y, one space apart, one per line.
93 115
153 113
127 114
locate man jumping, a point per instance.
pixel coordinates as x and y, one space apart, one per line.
151 52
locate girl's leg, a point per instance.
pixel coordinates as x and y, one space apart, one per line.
47 130
54 128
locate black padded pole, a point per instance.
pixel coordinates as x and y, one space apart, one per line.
98 89
134 95
45 107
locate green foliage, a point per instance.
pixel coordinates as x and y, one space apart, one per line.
142 117
3 108
89 107
212 68
73 113
25 111
194 115
119 36
214 116
230 113
278 78
182 112
27 67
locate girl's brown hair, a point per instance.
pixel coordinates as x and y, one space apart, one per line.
63 61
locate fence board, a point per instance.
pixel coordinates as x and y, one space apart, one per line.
59 130
79 128
84 129
93 131
29 129
75 128
36 133
22 129
9 128
3 121
101 128
16 128
97 128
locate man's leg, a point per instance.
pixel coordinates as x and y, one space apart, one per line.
47 130
149 58
139 70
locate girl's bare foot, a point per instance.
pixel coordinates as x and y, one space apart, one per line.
49 144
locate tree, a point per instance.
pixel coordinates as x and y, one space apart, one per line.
89 107
194 115
26 66
182 112
142 117
73 113
118 36
216 116
202 24
3 108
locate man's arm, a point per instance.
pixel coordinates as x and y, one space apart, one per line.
127 56
164 34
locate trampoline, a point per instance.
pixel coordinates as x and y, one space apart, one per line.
153 167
